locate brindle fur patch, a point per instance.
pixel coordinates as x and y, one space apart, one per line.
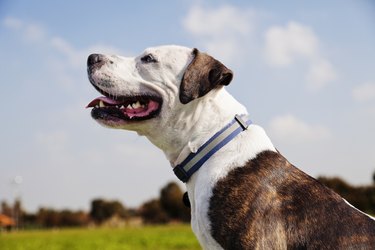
202 75
270 204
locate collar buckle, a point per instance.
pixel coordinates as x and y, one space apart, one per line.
242 123
180 173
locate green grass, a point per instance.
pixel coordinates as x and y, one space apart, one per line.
148 237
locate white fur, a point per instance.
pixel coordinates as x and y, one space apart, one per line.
180 129
249 143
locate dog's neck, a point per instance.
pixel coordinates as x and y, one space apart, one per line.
208 116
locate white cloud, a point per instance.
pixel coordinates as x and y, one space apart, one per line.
286 45
12 23
221 31
364 92
67 61
291 130
77 57
64 47
224 20
320 74
32 32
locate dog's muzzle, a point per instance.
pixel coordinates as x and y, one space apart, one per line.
114 107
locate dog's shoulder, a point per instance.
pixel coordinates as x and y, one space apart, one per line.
270 203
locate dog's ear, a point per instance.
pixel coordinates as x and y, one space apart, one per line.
203 74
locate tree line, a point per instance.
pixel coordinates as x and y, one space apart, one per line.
166 208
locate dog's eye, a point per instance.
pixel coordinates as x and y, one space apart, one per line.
149 58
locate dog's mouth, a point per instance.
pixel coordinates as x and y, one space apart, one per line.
131 108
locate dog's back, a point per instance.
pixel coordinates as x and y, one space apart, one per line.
270 204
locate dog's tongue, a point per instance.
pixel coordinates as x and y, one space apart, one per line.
104 99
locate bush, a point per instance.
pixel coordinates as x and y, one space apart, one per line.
171 201
153 213
102 210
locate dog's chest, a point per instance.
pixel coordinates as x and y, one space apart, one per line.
221 208
201 223
200 192
201 185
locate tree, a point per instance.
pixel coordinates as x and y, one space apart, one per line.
171 201
153 213
6 209
102 210
18 213
73 219
97 212
50 218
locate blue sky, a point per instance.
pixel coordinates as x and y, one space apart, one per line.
304 69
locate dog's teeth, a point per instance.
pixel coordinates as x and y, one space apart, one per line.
122 106
129 107
101 104
136 105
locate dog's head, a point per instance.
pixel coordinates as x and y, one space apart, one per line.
153 87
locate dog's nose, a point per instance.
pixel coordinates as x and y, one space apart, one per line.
94 59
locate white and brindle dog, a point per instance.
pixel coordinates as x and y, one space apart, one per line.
243 193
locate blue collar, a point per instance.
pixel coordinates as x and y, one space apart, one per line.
194 161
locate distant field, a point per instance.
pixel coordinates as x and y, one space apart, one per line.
148 237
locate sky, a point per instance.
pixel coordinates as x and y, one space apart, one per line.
305 70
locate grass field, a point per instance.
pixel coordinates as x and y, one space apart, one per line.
148 237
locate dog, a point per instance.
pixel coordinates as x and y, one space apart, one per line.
244 194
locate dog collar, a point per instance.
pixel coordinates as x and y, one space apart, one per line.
194 161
